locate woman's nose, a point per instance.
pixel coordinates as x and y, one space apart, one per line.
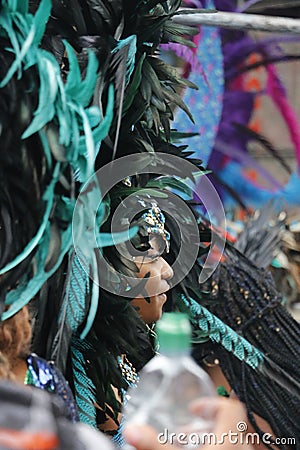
166 270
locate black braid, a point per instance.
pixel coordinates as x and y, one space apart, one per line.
262 396
251 417
248 301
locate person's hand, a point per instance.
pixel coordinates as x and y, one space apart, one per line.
227 413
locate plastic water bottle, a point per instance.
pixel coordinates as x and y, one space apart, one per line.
168 384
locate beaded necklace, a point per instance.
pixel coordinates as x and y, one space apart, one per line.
128 371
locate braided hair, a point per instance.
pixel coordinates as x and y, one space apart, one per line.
246 299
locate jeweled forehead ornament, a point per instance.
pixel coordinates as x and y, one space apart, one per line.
154 223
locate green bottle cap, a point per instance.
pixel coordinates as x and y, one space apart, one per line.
174 333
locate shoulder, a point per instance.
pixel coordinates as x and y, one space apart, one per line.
45 370
45 375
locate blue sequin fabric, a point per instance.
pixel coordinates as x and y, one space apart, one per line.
44 375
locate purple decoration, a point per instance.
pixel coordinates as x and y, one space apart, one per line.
206 103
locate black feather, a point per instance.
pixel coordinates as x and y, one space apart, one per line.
267 144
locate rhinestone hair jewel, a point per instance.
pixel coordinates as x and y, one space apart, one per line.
153 220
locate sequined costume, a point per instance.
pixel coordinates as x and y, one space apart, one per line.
114 99
44 375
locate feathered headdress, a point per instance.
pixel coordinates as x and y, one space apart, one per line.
101 93
49 136
94 324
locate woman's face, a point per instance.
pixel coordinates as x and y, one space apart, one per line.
159 272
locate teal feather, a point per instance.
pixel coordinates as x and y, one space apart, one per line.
81 150
16 5
48 197
100 132
74 76
104 239
89 214
64 208
74 307
65 102
89 143
216 330
123 65
25 32
82 141
84 218
81 90
20 296
22 6
68 132
40 19
20 9
78 286
94 298
80 131
86 91
84 389
90 153
108 239
46 147
21 53
49 83
93 114
130 44
7 25
134 85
